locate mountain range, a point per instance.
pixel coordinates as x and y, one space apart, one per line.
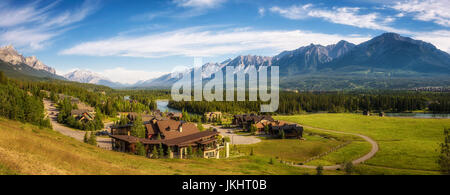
15 64
388 54
342 65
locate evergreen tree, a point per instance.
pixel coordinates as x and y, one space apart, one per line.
154 152
140 149
348 167
138 128
189 152
444 156
92 139
160 151
319 170
86 137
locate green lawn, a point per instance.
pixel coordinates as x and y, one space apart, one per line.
405 143
292 150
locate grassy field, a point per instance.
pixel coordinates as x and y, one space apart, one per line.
292 150
405 143
26 149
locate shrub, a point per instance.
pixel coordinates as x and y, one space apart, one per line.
319 170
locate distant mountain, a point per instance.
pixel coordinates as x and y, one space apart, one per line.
240 63
85 76
384 56
390 52
308 59
10 55
15 64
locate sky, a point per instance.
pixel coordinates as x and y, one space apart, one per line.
131 40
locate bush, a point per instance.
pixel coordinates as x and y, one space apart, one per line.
92 139
348 167
319 170
140 149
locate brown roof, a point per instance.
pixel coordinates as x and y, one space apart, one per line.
166 125
79 111
150 129
187 129
190 138
180 141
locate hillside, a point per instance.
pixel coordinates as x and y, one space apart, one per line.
26 149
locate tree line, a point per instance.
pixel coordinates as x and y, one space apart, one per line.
333 102
22 105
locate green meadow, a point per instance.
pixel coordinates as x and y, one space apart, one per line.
406 144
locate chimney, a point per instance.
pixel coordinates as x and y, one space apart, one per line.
128 133
181 128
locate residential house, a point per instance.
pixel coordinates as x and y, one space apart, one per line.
210 116
174 136
246 120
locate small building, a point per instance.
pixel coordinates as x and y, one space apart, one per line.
210 116
175 115
290 130
83 114
246 120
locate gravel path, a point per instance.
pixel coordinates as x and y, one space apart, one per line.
234 138
52 112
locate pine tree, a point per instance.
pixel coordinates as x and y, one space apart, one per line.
92 139
189 152
154 152
160 151
444 156
138 129
140 149
319 170
86 137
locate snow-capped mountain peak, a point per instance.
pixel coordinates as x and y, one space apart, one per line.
84 76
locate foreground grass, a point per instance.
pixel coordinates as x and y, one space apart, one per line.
26 149
405 143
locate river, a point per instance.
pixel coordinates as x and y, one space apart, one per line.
419 115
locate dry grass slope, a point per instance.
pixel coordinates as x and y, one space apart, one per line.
26 149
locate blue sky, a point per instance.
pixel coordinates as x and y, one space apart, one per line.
133 40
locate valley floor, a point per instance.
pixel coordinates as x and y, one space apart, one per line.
406 144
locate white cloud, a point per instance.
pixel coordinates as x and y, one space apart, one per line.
294 12
340 15
437 11
261 11
203 42
31 26
439 38
125 75
199 3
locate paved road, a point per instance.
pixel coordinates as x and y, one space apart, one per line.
234 138
52 112
367 156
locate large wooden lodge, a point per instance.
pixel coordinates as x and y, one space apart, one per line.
263 122
174 136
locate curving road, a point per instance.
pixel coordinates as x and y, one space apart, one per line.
367 156
52 113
